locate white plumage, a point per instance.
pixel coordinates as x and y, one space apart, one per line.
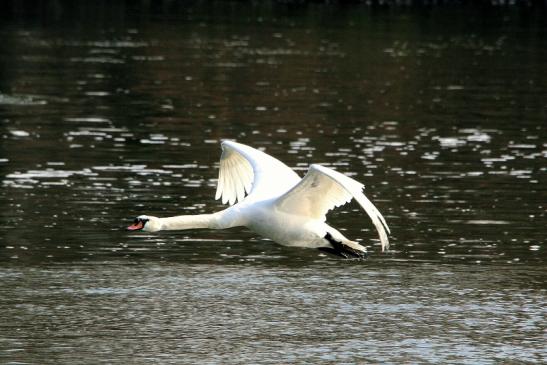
275 202
245 169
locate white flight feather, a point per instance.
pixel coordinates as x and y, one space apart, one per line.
323 189
246 170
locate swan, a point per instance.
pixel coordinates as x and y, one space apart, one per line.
273 201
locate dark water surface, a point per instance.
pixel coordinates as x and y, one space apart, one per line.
110 112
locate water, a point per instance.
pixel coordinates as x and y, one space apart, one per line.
313 311
107 113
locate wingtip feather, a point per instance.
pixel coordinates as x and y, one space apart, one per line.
355 188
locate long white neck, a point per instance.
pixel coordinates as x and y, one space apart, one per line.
189 222
226 218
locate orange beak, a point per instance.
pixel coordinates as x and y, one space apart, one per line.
136 226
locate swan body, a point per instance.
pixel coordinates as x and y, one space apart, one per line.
269 198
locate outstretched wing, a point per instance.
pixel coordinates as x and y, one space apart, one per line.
245 170
323 189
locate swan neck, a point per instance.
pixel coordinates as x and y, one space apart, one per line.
189 222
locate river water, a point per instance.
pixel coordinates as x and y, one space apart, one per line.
111 111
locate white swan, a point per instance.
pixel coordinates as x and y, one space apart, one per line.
276 203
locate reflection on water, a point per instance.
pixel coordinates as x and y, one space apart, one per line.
123 115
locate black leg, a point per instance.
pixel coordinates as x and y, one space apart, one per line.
339 249
332 251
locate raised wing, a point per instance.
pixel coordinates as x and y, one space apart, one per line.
245 170
323 189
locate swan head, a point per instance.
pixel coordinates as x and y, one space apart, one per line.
146 223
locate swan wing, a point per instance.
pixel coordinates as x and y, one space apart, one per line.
323 189
245 170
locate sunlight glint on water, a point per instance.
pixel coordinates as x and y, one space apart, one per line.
102 123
